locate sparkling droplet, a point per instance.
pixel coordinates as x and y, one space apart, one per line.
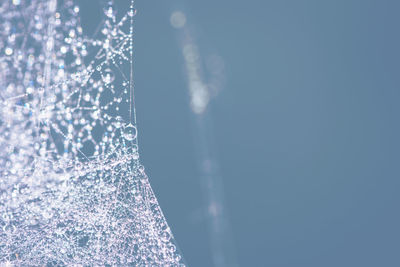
141 169
132 12
118 122
8 51
130 132
108 76
109 10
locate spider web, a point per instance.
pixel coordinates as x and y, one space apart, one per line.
72 189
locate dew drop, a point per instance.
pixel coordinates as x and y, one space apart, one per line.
118 122
109 10
130 132
132 12
141 169
108 76
8 51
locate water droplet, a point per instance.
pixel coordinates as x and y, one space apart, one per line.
118 122
165 236
9 228
109 10
87 97
8 51
108 76
130 132
132 12
134 148
141 169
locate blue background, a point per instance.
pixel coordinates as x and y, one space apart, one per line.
306 127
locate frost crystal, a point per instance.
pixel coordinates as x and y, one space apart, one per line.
72 189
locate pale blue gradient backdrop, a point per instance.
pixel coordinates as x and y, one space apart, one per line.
307 127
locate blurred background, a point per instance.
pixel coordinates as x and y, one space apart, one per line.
269 129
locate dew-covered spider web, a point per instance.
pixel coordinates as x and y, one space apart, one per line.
72 189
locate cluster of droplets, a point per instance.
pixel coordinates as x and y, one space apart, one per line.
72 189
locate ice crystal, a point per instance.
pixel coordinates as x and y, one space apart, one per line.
72 189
